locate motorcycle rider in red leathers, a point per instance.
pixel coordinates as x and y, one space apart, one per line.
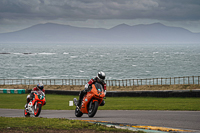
40 86
100 79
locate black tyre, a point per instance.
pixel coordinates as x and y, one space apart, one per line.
93 108
78 113
37 110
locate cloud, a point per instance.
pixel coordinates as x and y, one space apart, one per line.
37 11
101 9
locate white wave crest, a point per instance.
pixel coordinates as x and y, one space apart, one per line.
47 53
73 56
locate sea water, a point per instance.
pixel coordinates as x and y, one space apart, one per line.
83 61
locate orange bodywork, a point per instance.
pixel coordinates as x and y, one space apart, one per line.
93 95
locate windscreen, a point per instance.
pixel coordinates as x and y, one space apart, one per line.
99 87
39 92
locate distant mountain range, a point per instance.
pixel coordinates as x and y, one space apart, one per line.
151 33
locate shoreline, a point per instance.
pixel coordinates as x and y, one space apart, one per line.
109 88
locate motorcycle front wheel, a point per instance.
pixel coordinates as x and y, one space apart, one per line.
93 108
37 109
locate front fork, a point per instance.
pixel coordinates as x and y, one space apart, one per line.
35 106
90 104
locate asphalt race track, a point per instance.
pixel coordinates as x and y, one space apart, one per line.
189 120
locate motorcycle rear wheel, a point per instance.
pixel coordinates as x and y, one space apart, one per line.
78 113
37 110
92 111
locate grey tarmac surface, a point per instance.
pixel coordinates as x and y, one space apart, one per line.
174 119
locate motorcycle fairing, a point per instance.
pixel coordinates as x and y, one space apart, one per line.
95 95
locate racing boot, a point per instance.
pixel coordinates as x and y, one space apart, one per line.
27 101
26 106
75 102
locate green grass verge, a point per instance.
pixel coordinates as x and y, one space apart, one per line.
33 124
61 102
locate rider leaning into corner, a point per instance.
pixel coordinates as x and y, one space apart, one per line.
100 79
40 86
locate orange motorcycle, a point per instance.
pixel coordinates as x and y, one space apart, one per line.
91 101
35 105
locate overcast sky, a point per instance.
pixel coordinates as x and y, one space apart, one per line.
20 14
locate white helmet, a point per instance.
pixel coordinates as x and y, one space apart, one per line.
101 76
